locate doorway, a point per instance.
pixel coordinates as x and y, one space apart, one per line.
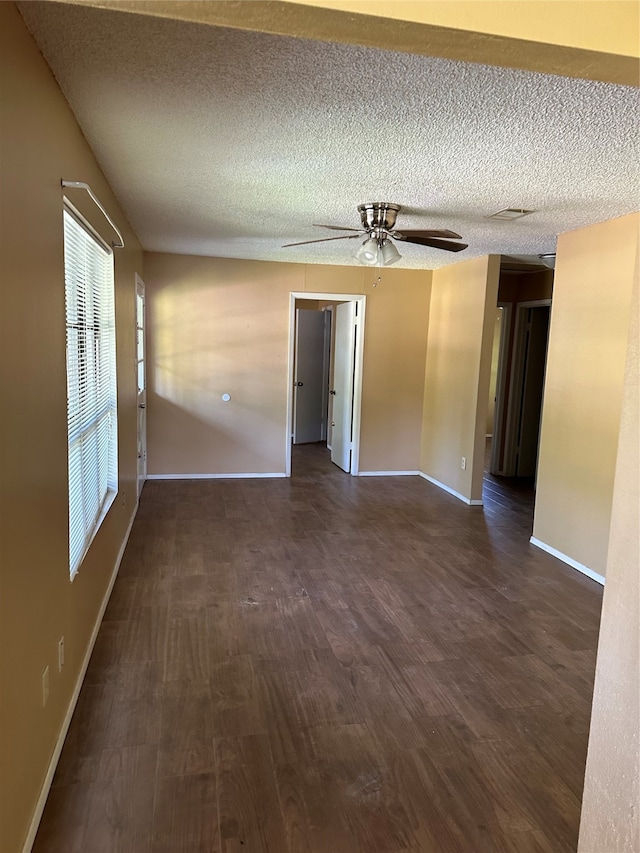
525 293
512 450
311 368
322 349
526 388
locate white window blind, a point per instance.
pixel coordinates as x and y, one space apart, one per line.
91 384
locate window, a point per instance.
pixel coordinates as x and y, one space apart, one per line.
91 384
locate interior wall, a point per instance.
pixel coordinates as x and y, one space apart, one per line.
591 39
458 367
583 389
41 144
219 325
610 815
214 327
608 25
395 346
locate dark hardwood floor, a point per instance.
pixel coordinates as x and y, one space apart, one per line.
331 664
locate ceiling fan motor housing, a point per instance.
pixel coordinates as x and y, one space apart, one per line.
378 215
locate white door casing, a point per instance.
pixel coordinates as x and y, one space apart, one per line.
141 383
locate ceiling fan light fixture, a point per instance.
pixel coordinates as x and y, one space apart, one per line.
368 252
389 253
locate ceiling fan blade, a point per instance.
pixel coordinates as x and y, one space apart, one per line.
324 240
427 233
338 228
447 245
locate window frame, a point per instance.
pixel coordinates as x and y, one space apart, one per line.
91 379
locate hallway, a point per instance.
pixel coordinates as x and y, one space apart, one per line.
330 664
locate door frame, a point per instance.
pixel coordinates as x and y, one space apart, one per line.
141 434
516 383
501 387
360 301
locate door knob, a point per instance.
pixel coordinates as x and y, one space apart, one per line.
142 406
333 393
299 384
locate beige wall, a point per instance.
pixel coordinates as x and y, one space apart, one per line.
609 25
594 39
220 326
217 326
41 143
459 346
610 813
583 389
395 347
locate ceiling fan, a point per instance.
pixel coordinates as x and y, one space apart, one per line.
378 224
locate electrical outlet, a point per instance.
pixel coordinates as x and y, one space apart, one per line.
45 686
60 654
463 463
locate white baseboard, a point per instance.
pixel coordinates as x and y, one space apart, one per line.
388 473
241 476
48 779
450 490
568 560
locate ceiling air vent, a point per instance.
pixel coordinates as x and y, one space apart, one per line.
510 213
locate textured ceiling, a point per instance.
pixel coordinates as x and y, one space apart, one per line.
230 143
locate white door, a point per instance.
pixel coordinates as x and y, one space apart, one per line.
141 383
309 377
342 391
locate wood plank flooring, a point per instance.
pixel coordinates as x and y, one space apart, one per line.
331 664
